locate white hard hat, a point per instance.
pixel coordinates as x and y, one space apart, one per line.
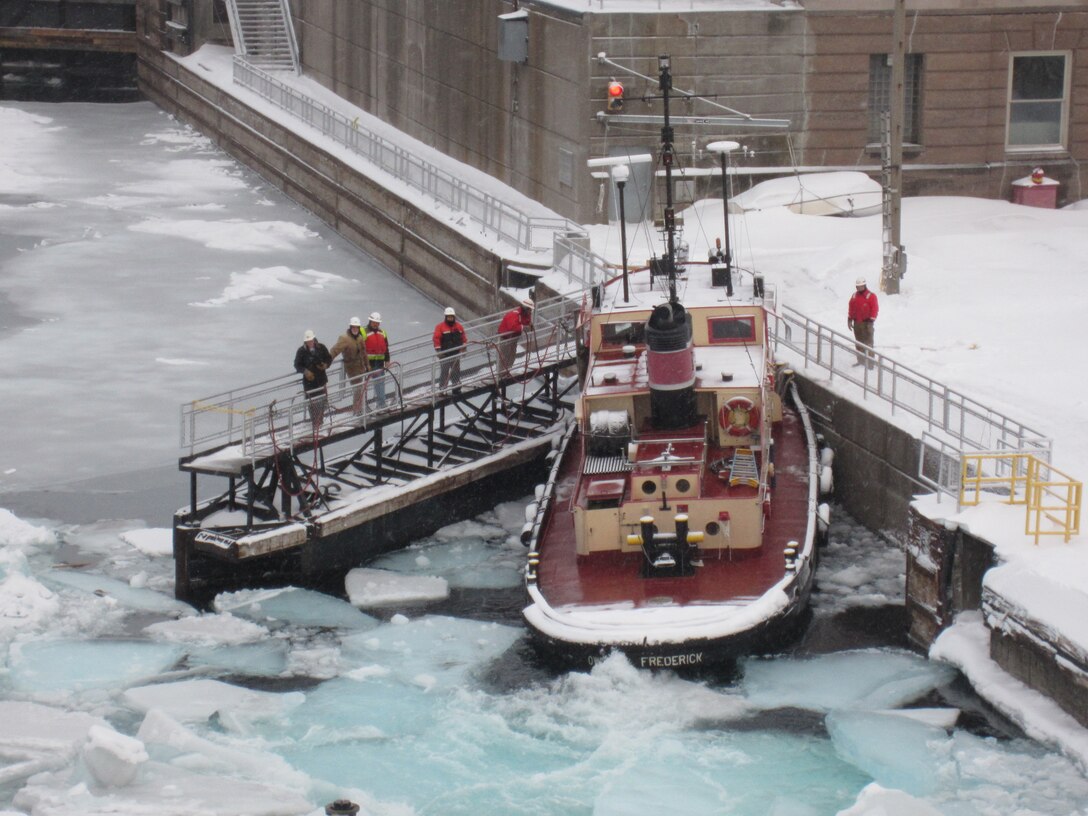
859 282
376 317
450 312
528 304
308 335
354 322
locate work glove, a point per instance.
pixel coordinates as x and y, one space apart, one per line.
309 375
849 324
321 366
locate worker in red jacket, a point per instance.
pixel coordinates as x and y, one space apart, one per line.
513 324
860 317
377 355
450 341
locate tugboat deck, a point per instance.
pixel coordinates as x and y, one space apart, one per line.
613 578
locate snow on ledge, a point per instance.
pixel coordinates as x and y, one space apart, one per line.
966 645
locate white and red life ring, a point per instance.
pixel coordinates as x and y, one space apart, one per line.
739 416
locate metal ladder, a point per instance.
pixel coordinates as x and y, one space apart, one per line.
744 470
264 34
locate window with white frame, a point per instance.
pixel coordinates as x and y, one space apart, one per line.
1038 100
880 94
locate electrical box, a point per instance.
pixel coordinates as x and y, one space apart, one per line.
514 36
1033 193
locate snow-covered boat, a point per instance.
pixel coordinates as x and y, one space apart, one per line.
680 518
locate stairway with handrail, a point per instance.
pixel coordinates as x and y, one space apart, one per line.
264 34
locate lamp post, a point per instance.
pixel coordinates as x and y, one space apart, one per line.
723 149
620 173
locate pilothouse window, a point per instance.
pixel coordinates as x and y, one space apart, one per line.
732 329
621 334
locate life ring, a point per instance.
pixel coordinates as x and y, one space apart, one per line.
739 416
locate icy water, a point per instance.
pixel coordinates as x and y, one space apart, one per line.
153 269
444 709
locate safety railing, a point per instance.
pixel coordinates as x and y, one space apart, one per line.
572 257
256 419
1052 498
944 410
490 213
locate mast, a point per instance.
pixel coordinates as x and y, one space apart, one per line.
665 84
670 352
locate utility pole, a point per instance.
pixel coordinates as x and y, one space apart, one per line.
895 259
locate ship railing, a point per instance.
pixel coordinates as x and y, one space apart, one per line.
247 418
489 213
959 420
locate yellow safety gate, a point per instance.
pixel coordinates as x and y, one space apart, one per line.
1051 497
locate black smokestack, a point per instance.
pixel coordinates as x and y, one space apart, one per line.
670 367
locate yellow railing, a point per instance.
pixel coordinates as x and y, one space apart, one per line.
1052 497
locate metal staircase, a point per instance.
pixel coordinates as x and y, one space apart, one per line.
264 34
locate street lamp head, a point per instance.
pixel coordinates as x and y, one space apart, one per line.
722 147
620 173
612 161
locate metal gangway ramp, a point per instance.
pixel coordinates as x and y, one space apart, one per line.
282 480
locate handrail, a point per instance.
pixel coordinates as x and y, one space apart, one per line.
943 409
242 417
1065 493
491 214
1049 495
292 39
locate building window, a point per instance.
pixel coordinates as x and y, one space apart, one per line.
1038 100
566 167
880 94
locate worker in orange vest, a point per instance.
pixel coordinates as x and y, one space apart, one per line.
377 355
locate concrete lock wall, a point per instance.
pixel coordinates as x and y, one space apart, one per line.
431 68
875 481
427 253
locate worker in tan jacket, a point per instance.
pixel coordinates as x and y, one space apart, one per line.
352 347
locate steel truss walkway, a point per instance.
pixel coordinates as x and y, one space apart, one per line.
284 480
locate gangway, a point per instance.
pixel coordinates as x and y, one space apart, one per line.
304 501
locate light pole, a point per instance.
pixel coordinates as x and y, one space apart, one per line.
723 149
620 173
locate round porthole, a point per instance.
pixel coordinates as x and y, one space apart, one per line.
683 485
713 528
649 488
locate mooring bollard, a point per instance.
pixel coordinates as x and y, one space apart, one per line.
341 807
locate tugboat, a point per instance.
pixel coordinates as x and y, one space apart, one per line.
680 518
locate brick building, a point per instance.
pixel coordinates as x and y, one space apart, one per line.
993 87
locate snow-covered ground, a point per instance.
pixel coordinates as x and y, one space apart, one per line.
112 694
